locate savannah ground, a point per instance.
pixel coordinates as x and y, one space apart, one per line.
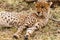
50 32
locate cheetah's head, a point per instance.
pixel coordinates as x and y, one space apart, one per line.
42 8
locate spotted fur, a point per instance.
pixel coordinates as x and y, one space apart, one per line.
31 21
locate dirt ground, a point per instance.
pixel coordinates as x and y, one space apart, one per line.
50 32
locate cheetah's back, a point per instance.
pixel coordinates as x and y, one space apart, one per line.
10 19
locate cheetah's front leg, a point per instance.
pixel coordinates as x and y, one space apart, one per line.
30 31
19 31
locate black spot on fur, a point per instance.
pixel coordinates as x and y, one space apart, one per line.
5 17
7 21
1 17
15 37
8 16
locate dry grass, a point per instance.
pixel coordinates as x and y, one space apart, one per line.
50 32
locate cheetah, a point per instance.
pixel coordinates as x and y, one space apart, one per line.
29 21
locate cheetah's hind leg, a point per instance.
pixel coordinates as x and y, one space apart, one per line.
18 33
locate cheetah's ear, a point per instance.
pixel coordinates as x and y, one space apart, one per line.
34 2
50 3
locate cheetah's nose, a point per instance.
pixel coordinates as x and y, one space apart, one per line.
38 12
